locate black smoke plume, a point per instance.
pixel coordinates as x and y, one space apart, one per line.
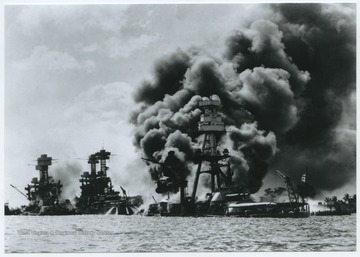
321 39
287 86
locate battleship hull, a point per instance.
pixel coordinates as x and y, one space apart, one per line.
52 210
223 203
331 213
107 207
268 210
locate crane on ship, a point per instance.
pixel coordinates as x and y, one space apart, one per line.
17 189
293 198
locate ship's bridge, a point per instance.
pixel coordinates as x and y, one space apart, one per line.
210 120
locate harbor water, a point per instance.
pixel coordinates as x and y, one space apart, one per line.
110 233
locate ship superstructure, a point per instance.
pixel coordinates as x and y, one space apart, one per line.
44 193
97 192
43 189
210 156
211 161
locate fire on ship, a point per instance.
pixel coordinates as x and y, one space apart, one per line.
225 197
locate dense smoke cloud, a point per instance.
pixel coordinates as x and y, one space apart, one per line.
261 45
322 40
255 149
168 75
267 94
284 83
69 175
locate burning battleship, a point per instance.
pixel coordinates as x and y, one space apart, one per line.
97 192
225 196
44 193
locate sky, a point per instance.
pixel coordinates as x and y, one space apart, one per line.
72 73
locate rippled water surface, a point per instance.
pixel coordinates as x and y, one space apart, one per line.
90 233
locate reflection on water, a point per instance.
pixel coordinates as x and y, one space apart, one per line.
91 233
